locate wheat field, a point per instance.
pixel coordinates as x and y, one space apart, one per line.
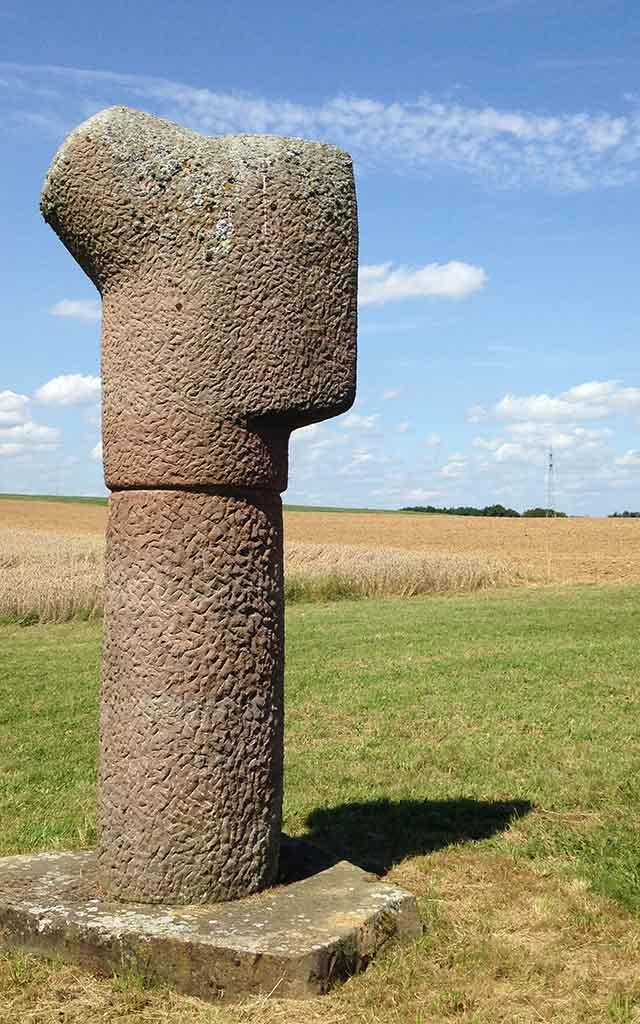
51 555
50 577
588 550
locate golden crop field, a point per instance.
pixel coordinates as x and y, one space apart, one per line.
558 550
561 550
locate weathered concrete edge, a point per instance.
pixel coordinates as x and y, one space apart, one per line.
215 971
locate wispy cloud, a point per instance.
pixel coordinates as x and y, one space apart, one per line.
79 309
591 400
455 468
630 458
569 150
576 63
357 422
385 283
476 8
432 440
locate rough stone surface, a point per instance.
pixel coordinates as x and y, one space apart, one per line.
292 941
228 272
191 715
227 267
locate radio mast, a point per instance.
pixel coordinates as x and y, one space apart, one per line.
551 484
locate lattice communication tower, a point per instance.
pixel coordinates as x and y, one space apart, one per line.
551 484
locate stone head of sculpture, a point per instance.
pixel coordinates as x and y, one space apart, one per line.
227 267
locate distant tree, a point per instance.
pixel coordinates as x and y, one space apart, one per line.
499 510
544 513
625 515
462 510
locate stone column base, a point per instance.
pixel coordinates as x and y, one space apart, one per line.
293 941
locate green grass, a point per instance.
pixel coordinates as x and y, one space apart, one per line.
424 713
485 749
409 724
56 497
334 508
48 741
103 501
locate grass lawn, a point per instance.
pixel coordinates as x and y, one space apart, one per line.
484 750
75 499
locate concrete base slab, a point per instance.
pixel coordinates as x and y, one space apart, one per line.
294 940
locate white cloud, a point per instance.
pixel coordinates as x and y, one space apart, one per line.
454 469
9 449
355 421
488 443
362 461
419 494
592 400
544 407
404 427
593 389
512 451
96 452
476 414
570 150
432 440
22 438
543 433
13 408
528 443
361 455
79 309
630 458
391 394
385 283
69 389
302 435
30 431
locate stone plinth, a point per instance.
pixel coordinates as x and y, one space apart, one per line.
292 941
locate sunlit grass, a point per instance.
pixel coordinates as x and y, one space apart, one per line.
482 749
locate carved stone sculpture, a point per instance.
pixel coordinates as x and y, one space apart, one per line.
227 268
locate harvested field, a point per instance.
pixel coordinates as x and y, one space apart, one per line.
560 550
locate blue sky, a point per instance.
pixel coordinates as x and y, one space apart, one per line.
497 154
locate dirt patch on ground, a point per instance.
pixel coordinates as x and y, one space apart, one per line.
561 550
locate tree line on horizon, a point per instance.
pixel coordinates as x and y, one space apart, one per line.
488 510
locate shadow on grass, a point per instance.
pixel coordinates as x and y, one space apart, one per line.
379 833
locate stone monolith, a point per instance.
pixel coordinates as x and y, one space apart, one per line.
227 268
